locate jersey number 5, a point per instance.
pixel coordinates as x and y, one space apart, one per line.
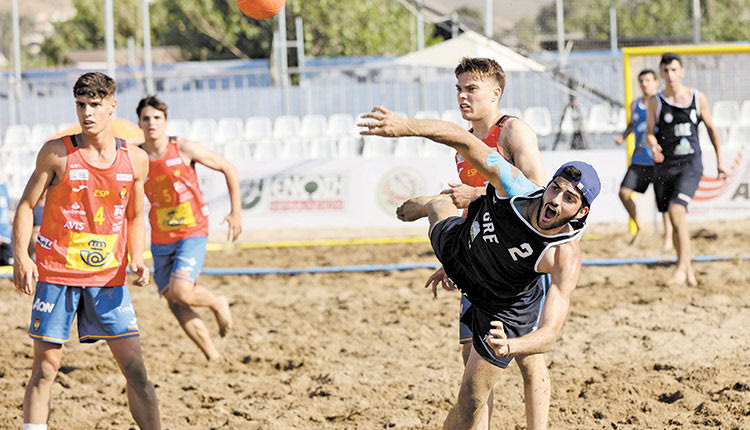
522 251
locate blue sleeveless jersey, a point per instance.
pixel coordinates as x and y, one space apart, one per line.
642 153
5 224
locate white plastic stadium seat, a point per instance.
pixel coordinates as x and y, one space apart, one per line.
258 126
202 130
40 133
454 116
406 147
178 127
512 112
313 125
340 124
739 137
601 119
725 113
744 118
539 119
427 114
286 125
375 146
18 135
229 129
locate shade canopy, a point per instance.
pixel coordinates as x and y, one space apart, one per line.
470 44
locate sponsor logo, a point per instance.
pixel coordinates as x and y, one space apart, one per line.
125 309
475 229
398 185
176 173
668 118
101 193
175 217
173 162
80 188
711 187
124 177
119 211
41 306
117 227
693 116
75 209
189 261
251 191
79 175
91 252
37 323
179 187
75 225
44 242
75 166
123 192
459 158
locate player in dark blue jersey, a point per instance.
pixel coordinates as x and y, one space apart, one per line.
641 170
672 134
511 237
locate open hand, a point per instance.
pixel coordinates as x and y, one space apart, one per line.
141 271
385 123
439 277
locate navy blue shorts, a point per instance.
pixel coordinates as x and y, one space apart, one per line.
102 312
638 177
675 181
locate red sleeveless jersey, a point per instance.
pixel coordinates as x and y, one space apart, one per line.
177 209
82 240
466 172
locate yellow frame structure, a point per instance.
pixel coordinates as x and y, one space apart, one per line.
659 50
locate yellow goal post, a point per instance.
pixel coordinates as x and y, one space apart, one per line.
637 58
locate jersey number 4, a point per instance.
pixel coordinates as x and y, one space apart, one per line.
522 251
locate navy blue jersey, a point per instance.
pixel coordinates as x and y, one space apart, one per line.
677 128
493 256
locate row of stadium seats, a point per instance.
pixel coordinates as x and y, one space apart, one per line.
601 119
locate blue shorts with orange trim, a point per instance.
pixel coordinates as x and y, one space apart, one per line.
102 312
181 260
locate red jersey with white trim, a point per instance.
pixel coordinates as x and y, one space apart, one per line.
466 172
177 209
83 237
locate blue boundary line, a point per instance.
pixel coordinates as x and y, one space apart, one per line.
411 266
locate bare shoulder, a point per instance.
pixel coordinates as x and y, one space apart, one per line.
517 133
562 258
139 160
52 153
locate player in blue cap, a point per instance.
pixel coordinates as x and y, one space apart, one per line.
514 234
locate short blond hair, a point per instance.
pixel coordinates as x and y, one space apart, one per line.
482 68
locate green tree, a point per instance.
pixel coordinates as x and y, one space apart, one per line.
357 27
219 30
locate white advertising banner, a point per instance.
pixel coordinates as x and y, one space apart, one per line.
364 192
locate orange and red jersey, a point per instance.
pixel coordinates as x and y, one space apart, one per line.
83 237
177 209
466 172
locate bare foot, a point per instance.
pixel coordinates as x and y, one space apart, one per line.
682 277
223 316
666 246
414 208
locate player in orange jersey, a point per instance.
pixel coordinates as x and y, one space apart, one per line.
92 223
179 222
480 85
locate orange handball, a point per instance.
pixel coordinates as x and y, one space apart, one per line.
260 9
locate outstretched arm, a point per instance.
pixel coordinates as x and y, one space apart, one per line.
507 180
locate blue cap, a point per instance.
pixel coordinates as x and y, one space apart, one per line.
588 184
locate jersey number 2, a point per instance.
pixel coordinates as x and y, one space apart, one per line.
520 252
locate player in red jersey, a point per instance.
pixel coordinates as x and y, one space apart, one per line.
179 222
480 85
93 221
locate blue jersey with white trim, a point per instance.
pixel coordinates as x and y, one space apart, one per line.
642 153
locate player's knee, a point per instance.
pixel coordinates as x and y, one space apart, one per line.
134 371
625 194
47 371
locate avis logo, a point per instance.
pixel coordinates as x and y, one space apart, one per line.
74 225
95 256
41 306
